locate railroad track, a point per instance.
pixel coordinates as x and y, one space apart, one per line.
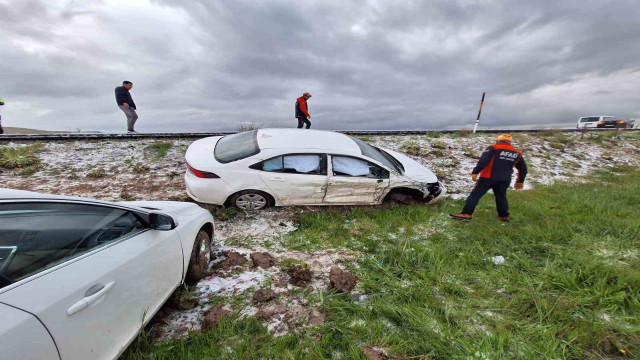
198 135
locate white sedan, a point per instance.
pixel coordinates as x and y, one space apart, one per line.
79 278
255 169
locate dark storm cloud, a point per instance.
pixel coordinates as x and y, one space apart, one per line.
208 65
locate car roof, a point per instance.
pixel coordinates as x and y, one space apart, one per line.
307 139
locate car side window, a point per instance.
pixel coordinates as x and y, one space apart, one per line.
349 166
37 236
295 164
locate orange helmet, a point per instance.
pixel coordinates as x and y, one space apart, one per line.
307 94
504 137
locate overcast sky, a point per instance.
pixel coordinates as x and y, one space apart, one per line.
207 65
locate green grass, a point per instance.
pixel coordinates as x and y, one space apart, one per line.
569 288
160 148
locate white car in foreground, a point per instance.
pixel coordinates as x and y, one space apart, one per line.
79 278
255 169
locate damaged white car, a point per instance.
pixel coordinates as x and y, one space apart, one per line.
260 168
79 278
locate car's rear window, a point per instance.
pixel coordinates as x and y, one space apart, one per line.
237 146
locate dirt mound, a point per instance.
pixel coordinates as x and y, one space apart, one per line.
342 280
300 275
184 302
263 260
233 259
267 311
374 353
316 318
213 316
263 296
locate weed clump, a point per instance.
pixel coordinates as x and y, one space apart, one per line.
20 157
411 148
97 173
160 148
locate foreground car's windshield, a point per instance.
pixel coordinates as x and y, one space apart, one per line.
237 146
378 155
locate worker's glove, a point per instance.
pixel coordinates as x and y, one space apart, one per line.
474 177
518 186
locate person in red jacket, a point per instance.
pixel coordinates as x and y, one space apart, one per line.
495 168
302 111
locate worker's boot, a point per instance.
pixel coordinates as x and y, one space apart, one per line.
503 218
464 217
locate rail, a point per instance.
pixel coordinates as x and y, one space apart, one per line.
198 135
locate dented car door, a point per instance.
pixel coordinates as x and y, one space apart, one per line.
296 179
355 181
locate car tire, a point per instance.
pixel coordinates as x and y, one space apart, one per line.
250 200
200 257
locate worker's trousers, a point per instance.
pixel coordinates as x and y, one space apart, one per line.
131 116
302 121
482 186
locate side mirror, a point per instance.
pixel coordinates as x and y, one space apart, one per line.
161 222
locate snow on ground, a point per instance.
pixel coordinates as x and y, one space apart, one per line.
131 172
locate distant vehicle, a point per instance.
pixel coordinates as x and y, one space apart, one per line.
591 121
619 123
255 169
79 278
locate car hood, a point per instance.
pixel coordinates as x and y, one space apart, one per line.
413 169
172 208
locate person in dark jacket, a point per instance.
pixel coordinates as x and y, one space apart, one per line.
494 170
302 111
1 130
126 104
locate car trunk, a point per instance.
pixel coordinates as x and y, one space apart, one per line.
200 153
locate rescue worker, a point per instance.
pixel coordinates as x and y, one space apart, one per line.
1 103
493 171
302 111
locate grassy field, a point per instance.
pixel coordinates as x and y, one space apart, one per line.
569 286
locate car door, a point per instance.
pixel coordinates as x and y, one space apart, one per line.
16 327
355 181
295 179
92 274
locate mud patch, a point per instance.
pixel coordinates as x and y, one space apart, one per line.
300 275
263 260
341 280
213 315
263 296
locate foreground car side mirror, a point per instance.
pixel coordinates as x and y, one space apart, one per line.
161 222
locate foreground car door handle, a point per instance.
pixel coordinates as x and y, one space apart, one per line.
277 179
88 300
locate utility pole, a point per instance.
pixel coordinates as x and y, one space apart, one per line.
475 127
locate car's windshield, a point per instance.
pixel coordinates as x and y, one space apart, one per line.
378 155
237 146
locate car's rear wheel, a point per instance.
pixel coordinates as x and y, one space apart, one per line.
200 257
250 200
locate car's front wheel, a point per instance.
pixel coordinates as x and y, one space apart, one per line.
250 200
200 257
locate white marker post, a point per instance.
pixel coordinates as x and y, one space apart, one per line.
475 127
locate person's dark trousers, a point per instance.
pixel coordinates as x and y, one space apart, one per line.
482 186
302 121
